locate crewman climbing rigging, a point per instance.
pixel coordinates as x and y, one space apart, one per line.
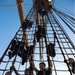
41 42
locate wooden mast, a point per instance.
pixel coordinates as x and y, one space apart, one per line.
22 19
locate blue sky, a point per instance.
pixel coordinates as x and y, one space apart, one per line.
10 22
9 18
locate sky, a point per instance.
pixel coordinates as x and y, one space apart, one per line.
10 22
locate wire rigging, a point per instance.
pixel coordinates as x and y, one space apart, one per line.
65 9
47 33
66 20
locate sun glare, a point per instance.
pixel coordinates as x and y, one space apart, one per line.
49 0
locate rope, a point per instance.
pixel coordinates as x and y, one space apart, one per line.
12 5
53 31
63 54
66 10
5 67
64 20
46 41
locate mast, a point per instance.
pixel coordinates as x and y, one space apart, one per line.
22 19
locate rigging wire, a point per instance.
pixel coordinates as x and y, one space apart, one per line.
64 13
54 69
65 21
66 10
68 17
5 67
11 5
45 38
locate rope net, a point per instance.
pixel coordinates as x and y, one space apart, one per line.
46 36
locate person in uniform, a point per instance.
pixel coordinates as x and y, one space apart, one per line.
72 64
43 70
